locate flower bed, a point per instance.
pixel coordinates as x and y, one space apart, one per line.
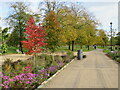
115 55
26 77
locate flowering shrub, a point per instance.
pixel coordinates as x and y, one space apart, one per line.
28 69
60 64
52 69
24 80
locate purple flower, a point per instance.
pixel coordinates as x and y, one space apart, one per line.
60 64
52 68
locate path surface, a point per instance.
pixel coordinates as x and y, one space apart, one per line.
96 71
14 57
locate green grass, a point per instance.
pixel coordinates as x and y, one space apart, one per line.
11 50
76 47
105 47
106 50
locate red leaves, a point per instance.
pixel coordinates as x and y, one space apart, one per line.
35 37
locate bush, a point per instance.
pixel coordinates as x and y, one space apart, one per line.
48 60
38 68
71 54
7 66
58 58
114 55
20 73
66 58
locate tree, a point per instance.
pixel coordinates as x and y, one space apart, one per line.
67 21
53 29
4 37
101 38
35 36
17 21
118 38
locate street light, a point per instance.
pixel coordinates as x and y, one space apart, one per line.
111 34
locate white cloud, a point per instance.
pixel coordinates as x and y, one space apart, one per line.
105 13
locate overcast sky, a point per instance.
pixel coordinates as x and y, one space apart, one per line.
105 11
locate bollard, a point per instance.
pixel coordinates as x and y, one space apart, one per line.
79 55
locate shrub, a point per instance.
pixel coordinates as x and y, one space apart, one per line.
52 69
66 58
71 54
115 55
48 60
7 66
38 68
58 58
23 80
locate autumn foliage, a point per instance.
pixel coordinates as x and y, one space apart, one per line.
35 35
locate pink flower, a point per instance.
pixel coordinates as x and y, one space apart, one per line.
5 77
10 80
6 86
27 82
5 82
1 84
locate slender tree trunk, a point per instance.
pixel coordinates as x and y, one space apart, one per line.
88 47
69 46
20 37
81 46
21 48
34 63
20 42
72 45
103 46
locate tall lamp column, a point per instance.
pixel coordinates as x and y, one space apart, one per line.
111 34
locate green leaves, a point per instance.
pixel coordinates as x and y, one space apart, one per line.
52 26
4 37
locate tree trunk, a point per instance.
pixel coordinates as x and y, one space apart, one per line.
21 48
72 45
88 47
69 46
20 37
35 63
81 46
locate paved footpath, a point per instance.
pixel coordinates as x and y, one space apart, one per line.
96 71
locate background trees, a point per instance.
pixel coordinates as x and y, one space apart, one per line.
101 38
4 38
66 24
17 21
53 29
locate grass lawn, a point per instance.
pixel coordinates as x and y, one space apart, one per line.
76 47
11 50
106 50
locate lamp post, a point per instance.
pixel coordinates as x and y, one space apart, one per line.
111 34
